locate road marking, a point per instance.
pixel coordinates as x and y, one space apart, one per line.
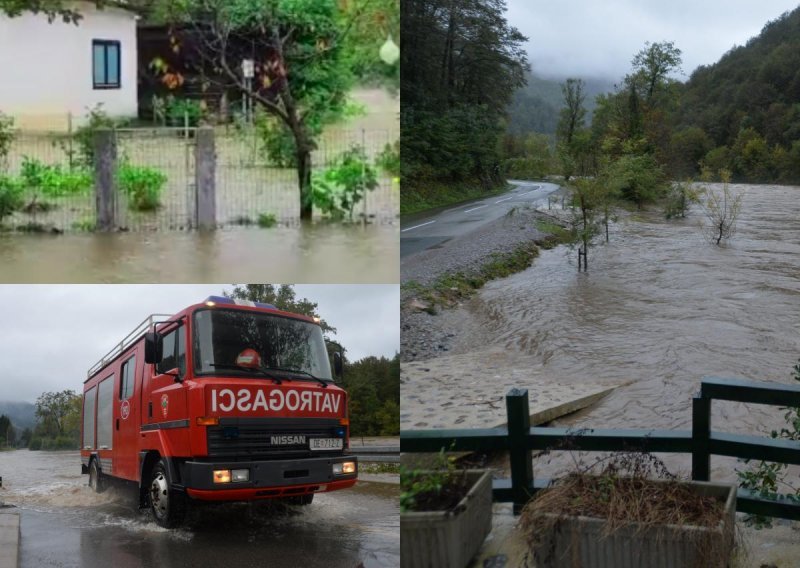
506 199
521 194
417 226
474 208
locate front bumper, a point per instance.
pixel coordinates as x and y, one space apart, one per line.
268 478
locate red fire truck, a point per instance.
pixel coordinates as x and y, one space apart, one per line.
227 400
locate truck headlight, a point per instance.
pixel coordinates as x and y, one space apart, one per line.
222 476
240 475
344 468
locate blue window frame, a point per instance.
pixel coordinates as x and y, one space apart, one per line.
106 64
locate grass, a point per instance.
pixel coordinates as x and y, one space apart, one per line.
379 468
449 289
420 196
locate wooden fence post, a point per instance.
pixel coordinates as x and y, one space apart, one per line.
519 426
205 181
701 432
105 167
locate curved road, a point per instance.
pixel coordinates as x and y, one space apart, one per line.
429 232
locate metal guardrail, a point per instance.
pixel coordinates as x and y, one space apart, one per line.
519 438
126 342
376 454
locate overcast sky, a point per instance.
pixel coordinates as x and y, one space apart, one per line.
591 38
51 335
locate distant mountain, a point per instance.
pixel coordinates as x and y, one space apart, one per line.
536 106
22 414
756 86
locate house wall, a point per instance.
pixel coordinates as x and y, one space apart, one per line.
46 68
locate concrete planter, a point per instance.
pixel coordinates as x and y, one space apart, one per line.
448 539
580 542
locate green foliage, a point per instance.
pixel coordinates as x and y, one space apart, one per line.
267 220
142 185
637 178
277 142
680 197
58 417
86 225
373 385
337 190
371 23
84 136
10 195
721 209
54 180
7 136
389 159
766 478
461 63
415 483
282 297
179 111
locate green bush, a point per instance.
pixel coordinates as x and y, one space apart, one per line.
142 185
53 180
178 110
36 444
277 142
6 138
10 196
389 159
84 136
337 190
267 220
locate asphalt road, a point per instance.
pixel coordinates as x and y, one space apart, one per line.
425 232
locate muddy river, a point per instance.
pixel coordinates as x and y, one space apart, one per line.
65 524
313 254
659 309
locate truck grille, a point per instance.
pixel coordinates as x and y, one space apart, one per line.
248 438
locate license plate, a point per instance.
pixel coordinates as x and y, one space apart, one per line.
326 444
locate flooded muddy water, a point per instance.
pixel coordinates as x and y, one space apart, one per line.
659 309
65 524
311 254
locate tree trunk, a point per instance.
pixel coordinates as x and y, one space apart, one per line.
304 181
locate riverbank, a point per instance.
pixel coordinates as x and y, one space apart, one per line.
445 276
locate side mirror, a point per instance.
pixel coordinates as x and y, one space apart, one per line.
337 365
153 346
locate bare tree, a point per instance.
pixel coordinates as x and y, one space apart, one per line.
721 209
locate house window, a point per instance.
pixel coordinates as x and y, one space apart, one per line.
106 64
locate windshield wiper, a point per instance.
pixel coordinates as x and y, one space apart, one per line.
323 382
260 371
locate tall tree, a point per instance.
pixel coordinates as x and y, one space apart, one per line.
282 297
573 113
53 410
652 64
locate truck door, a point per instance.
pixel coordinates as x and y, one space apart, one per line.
167 400
125 424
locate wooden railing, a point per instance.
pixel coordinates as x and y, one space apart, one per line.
519 439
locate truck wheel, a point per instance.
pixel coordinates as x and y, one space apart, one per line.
168 506
96 481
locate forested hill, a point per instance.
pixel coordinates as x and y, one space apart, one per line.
22 414
536 105
752 86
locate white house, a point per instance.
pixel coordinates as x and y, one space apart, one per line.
51 70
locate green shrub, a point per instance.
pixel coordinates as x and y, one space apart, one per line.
36 444
6 138
389 159
87 225
267 220
84 136
142 185
277 142
53 180
10 196
337 190
178 110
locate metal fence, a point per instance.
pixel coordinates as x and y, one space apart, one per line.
249 186
519 439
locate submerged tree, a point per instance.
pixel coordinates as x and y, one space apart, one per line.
721 209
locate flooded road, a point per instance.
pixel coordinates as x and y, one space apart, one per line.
65 524
311 254
660 308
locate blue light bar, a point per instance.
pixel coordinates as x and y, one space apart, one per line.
224 300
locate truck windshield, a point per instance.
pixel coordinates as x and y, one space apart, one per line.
240 341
